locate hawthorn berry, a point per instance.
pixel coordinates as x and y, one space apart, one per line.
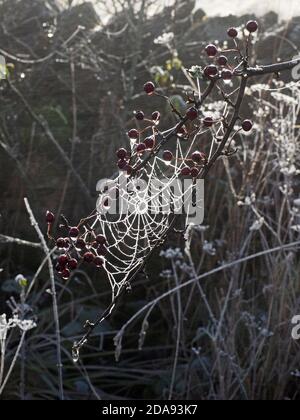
72 264
247 125
98 261
211 50
122 164
208 122
211 70
226 74
133 134
63 260
167 156
122 153
195 172
89 257
149 88
252 26
139 115
198 157
186 171
101 239
232 32
66 274
222 60
74 232
60 243
50 217
80 244
140 148
149 143
192 113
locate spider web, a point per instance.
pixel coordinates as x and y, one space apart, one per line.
147 206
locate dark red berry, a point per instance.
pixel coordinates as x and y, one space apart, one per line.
252 26
149 143
80 244
156 116
149 88
122 164
198 157
73 264
186 171
232 32
102 250
74 232
211 71
211 50
192 114
222 60
101 239
208 122
140 148
247 125
99 262
60 243
133 134
139 115
50 217
195 172
167 156
66 274
226 74
122 154
63 260
88 257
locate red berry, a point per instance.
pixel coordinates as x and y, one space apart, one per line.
122 154
198 157
133 134
60 243
232 32
155 116
208 122
149 143
211 50
80 244
167 156
102 250
139 115
192 114
226 74
66 274
101 239
140 148
247 125
211 71
222 60
88 257
195 172
252 26
63 260
74 232
98 261
122 164
50 217
149 88
186 171
73 264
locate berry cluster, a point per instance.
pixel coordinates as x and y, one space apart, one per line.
222 68
76 248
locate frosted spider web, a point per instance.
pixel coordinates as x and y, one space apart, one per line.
145 214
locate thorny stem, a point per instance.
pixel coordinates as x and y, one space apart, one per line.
246 73
54 298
